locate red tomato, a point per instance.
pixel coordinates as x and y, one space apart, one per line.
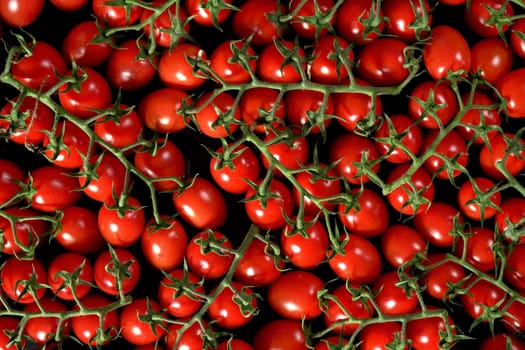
481 294
342 307
438 223
230 59
166 32
479 248
512 89
515 267
262 109
192 338
400 128
42 330
26 234
78 45
357 111
42 69
280 334
404 15
301 22
308 108
478 16
216 116
491 59
11 175
87 328
324 67
377 336
253 17
73 147
360 263
201 204
392 298
67 270
270 213
115 15
136 331
128 270
232 169
9 325
208 13
290 150
410 198
476 122
164 244
426 333
476 199
517 41
161 110
327 343
443 105
109 180
501 341
93 93
348 150
369 217
382 62
52 189
16 276
305 248
18 13
176 70
509 219
126 70
258 267
437 280
26 122
69 5
506 150
446 52
513 318
122 226
350 19
281 62
400 243
205 258
121 128
167 162
234 306
187 303
79 231
234 344
452 154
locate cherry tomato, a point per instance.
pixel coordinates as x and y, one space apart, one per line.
404 15
509 219
351 17
513 319
476 200
401 128
9 325
192 338
175 69
69 5
443 105
201 204
26 234
486 116
258 267
400 243
360 262
73 148
207 13
207 260
233 307
516 41
262 109
280 334
254 17
479 248
481 294
185 304
122 226
42 330
11 176
281 62
326 342
230 60
491 59
310 9
78 45
105 272
161 110
18 13
515 267
392 298
16 278
79 231
307 108
447 52
502 151
234 344
115 15
324 67
305 248
164 245
136 331
426 333
478 16
378 336
437 281
290 150
452 155
411 197
109 181
512 89
164 27
501 341
120 130
217 117
437 223
68 268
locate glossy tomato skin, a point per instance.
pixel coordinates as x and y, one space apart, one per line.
501 341
437 280
402 128
481 294
360 263
410 200
291 151
17 13
377 336
500 152
105 271
79 231
476 117
175 70
227 63
68 5
509 219
217 117
308 248
349 21
491 58
8 324
258 267
273 67
402 16
42 330
308 108
27 232
253 17
122 227
111 176
191 339
513 319
161 110
309 9
479 251
120 131
280 334
326 342
201 205
437 223
225 310
78 46
512 89
324 67
452 147
425 333
471 200
11 175
164 33
392 299
115 15
206 262
183 305
262 108
74 146
70 264
136 331
516 42
444 97
447 51
203 15
164 245
400 243
515 267
477 16
15 273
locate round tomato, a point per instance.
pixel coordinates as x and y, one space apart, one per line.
262 109
233 307
207 254
392 297
505 151
108 179
515 267
491 59
438 280
426 333
232 61
326 67
512 89
513 318
18 13
170 27
482 294
281 62
11 176
478 253
306 248
78 45
177 71
69 270
23 280
351 17
42 329
69 5
115 15
301 22
208 13
480 122
258 266
479 16
406 18
308 109
192 338
443 105
477 200
136 331
438 223
411 197
187 284
116 274
509 219
400 243
398 129
79 231
254 18
452 154
280 334
9 325
378 336
501 341
216 116
73 147
27 234
161 110
122 226
234 168
289 150
517 42
121 128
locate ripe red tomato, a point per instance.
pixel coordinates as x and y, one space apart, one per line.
491 59
70 268
481 294
93 93
342 307
479 251
28 123
9 325
270 213
126 70
262 109
232 61
501 341
185 304
121 129
232 169
452 154
476 200
376 336
87 328
52 189
509 219
360 262
512 89
387 68
109 181
437 224
447 52
305 248
161 110
280 334
515 267
503 152
233 307
326 67
136 331
437 280
79 231
166 32
18 13
517 42
513 318
201 204
175 69
444 104
289 150
326 343
308 108
369 218
122 226
253 17
204 259
26 234
11 176
403 129
164 244
350 19
310 9
478 16
403 15
115 15
400 243
192 338
216 116
78 45
42 329
234 344
392 298
410 198
73 148
105 272
16 278
208 13
258 267
69 5
281 62
475 118
426 333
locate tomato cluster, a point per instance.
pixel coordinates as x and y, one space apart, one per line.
262 174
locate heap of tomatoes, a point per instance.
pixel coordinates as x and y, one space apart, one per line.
262 174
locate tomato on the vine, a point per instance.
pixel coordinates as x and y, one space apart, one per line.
11 177
258 266
78 45
427 333
164 29
161 110
413 196
176 70
377 336
359 21
440 279
188 285
479 16
136 331
115 15
477 200
234 306
400 243
305 21
18 13
479 253
491 59
512 90
43 329
514 273
208 13
254 18
116 274
404 15
69 270
509 219
517 41
289 149
306 248
326 67
280 334
482 294
8 325
430 99
23 280
26 232
232 61
505 150
392 297
262 109
120 128
79 231
398 128
450 156
438 223
121 226
281 62
216 116
480 123
73 148
110 178
207 254
308 108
